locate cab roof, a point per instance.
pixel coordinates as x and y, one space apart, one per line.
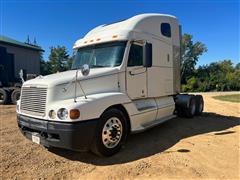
143 23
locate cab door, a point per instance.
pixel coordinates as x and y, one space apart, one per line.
136 74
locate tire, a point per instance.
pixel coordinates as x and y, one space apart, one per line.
111 133
15 95
4 96
199 105
190 110
185 105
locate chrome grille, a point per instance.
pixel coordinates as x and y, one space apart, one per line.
33 100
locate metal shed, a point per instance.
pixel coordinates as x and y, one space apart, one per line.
20 56
14 56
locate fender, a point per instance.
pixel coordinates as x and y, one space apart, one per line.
96 104
93 106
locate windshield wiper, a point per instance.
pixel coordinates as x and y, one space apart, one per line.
92 66
98 66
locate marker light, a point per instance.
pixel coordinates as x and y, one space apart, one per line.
115 36
52 114
74 113
98 39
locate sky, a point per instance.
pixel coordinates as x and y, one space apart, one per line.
214 22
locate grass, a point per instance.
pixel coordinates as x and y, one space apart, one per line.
231 98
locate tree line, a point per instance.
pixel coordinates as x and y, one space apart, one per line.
59 60
222 75
216 76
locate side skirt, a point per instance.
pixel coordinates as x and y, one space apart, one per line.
151 124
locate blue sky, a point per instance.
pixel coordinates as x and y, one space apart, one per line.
62 22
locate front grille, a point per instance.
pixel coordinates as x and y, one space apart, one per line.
33 100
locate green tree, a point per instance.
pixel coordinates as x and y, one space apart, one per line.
45 67
217 76
191 86
68 65
190 52
237 66
58 58
235 80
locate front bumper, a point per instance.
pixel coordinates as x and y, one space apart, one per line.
73 135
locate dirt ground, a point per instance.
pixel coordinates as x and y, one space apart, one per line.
202 147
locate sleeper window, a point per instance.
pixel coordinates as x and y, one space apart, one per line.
135 57
166 29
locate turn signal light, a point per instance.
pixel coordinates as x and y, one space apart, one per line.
74 113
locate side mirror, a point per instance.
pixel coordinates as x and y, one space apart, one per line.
21 75
147 61
85 69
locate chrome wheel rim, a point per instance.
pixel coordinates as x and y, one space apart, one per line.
112 132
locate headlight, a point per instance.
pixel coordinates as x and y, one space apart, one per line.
62 113
52 114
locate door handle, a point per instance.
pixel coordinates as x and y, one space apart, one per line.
137 71
131 73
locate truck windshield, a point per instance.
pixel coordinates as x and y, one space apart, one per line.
100 55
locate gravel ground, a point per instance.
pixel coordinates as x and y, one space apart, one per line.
202 147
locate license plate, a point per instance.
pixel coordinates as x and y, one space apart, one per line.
35 139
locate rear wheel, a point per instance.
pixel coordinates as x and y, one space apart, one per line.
185 105
111 133
199 105
15 96
4 96
190 110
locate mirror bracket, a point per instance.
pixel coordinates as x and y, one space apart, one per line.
85 71
21 75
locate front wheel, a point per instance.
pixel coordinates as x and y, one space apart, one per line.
111 133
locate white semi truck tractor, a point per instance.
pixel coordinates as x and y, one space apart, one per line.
125 78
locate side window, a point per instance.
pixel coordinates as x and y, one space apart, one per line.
135 57
166 29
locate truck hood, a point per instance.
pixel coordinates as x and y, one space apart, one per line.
67 76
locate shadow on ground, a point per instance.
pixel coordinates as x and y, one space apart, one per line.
159 139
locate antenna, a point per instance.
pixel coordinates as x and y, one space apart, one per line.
28 40
35 42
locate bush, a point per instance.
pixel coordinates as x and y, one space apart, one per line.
217 76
